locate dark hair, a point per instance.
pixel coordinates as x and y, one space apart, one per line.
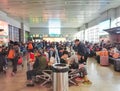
79 53
65 52
77 40
11 42
40 52
16 43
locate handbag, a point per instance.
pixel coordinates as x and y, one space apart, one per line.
20 60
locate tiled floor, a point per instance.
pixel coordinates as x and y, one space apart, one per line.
103 79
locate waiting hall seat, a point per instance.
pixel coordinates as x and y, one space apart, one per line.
72 74
45 76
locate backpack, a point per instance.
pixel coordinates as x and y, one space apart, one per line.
30 46
11 54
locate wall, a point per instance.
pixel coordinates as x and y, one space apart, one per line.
111 14
9 20
3 16
66 32
42 30
37 30
26 27
13 22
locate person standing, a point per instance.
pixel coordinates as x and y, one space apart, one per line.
16 57
81 48
13 55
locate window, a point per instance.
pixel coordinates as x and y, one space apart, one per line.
54 26
91 34
115 22
102 26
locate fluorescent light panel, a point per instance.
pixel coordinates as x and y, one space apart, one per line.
54 26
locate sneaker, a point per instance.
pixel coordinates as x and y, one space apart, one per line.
87 82
30 84
12 74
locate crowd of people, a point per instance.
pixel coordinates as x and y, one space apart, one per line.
41 55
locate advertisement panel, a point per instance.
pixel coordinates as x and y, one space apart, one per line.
3 33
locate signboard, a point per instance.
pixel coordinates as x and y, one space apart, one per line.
4 27
3 33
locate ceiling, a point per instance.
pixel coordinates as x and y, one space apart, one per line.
72 13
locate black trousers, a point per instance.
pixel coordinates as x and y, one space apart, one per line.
85 58
14 64
31 73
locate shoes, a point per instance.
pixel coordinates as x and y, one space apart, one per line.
30 84
87 82
12 74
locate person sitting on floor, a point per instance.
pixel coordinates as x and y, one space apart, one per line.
39 65
79 64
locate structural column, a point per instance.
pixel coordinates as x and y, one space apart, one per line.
22 33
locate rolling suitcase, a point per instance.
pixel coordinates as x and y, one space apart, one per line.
104 60
117 64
